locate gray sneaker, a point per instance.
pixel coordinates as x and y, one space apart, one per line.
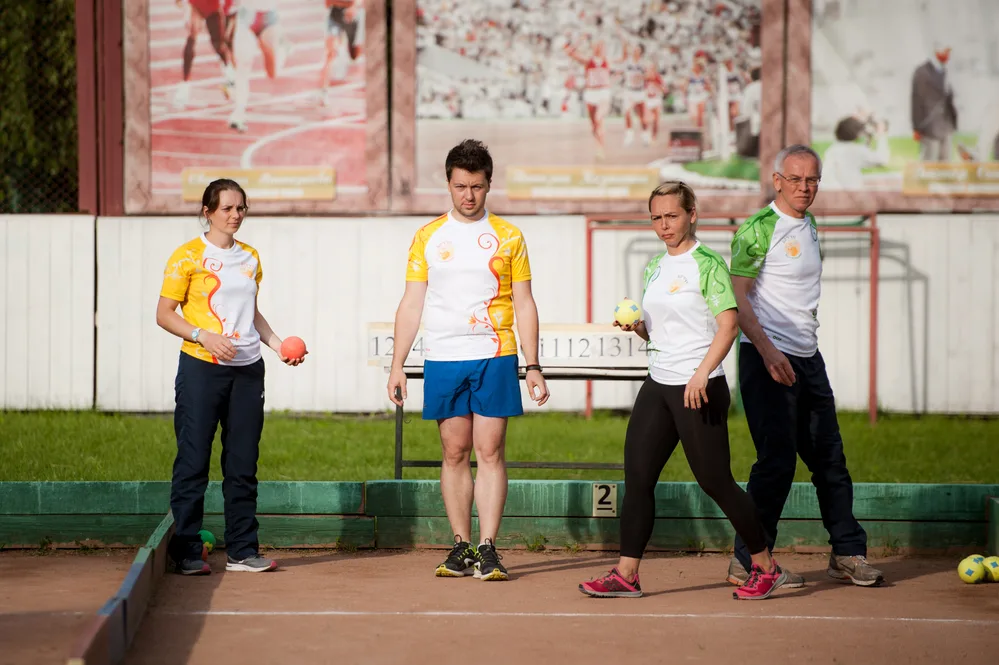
737 575
193 567
251 564
855 569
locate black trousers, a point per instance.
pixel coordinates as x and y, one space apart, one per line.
790 421
658 422
208 395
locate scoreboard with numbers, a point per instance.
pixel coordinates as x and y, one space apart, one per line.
565 345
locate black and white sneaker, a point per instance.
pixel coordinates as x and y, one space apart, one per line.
460 560
488 567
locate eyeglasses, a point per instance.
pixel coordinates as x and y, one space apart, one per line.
796 181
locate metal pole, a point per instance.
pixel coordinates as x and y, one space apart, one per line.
872 388
398 437
589 307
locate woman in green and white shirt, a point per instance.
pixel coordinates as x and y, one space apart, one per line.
689 320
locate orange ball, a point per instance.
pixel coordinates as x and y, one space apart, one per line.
293 347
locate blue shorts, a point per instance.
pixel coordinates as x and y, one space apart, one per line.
489 387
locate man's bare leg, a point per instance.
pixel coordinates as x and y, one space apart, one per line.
456 473
489 438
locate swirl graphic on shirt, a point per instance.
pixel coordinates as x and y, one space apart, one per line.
752 242
213 266
483 318
715 282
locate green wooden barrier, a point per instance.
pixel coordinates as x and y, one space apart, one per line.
408 513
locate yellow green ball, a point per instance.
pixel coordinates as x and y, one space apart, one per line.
971 570
627 312
991 569
208 538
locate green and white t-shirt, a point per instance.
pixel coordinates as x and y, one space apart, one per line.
782 254
683 295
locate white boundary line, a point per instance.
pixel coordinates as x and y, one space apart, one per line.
232 136
46 613
247 159
255 75
207 112
582 615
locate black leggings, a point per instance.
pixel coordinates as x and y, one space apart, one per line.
658 422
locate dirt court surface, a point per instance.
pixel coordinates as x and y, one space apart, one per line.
387 607
46 598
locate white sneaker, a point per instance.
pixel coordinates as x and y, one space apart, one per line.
251 564
237 121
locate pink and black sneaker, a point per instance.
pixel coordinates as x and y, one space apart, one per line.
761 584
612 585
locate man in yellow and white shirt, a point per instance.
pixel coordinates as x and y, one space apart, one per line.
467 278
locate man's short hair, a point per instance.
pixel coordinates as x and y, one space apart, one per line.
796 149
469 155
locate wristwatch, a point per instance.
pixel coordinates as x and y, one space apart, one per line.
195 334
530 367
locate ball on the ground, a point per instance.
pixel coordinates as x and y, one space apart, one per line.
627 312
991 569
971 570
208 539
293 347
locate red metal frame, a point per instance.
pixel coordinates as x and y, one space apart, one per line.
600 222
86 106
100 101
111 106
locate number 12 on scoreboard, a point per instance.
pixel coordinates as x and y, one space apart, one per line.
604 500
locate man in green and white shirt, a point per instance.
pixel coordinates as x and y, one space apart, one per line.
790 408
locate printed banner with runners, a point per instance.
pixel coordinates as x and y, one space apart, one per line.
271 94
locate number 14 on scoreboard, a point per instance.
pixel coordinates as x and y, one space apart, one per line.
596 346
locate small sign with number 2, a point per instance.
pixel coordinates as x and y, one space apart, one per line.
604 499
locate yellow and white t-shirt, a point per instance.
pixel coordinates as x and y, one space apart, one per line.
469 269
217 291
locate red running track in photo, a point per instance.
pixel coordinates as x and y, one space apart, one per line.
287 121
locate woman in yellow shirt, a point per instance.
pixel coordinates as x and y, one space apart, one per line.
220 379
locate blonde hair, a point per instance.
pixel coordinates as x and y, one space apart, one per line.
684 195
679 189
